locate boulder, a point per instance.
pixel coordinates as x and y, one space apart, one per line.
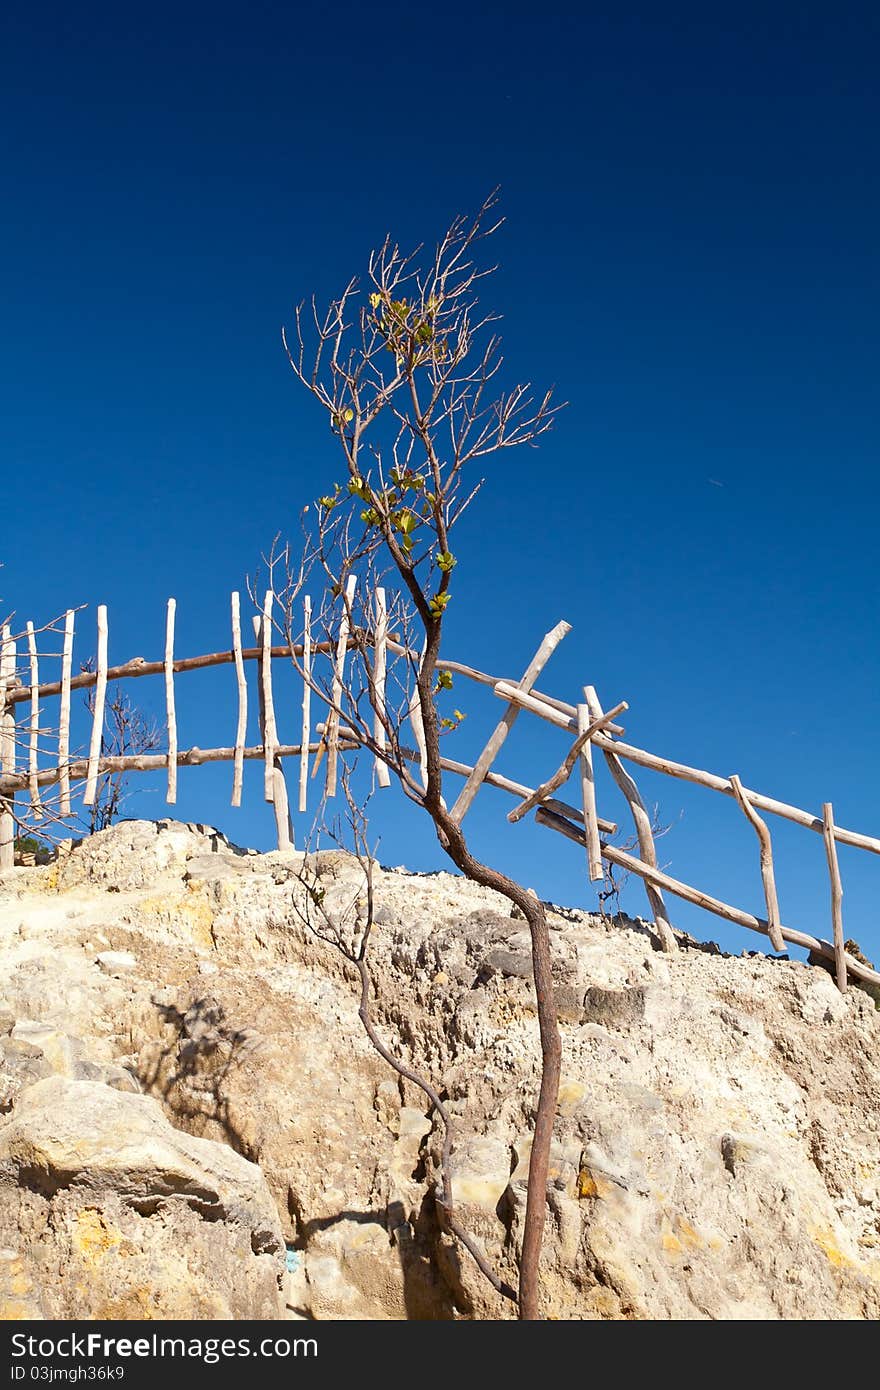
124 1216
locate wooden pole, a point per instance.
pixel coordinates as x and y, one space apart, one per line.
64 718
7 747
768 876
380 661
505 691
306 703
704 900
171 716
527 700
566 768
588 795
418 728
482 678
836 895
336 688
149 762
137 667
34 741
270 736
502 729
493 779
98 716
283 827
241 683
644 832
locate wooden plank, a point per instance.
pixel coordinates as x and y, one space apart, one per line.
241 684
502 729
704 900
34 739
98 714
380 663
170 712
306 703
644 831
840 958
64 717
337 687
270 736
7 747
768 876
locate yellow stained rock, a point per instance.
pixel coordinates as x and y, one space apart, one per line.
93 1236
571 1093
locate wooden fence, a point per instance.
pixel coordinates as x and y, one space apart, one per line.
593 731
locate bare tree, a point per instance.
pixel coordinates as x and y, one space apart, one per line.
406 376
348 929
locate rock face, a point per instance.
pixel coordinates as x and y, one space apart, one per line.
124 1216
185 1087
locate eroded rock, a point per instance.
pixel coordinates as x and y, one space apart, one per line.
126 1217
715 1153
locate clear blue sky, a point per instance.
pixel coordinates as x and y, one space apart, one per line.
690 254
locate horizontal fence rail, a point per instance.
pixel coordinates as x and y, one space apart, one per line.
591 729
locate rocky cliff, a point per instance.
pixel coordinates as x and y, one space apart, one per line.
193 1124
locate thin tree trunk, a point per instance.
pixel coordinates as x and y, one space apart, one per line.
453 842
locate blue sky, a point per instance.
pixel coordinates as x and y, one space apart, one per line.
690 254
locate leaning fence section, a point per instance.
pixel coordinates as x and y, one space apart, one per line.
36 757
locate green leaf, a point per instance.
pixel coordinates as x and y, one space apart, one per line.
446 561
438 603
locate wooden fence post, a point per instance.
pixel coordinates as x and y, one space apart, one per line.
64 716
306 704
836 895
283 826
270 735
241 683
588 799
171 715
34 739
336 688
98 714
418 727
502 729
644 833
380 663
7 747
768 876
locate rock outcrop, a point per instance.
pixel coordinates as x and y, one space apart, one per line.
186 1090
124 1216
